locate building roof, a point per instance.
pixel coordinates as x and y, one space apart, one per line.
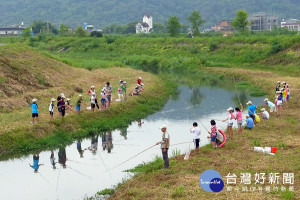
291 24
148 15
144 24
12 29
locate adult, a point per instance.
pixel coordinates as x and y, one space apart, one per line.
93 102
230 118
196 131
62 106
58 103
279 102
165 143
249 122
91 92
109 91
251 110
124 90
288 94
270 104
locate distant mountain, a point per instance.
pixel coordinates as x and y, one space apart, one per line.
104 12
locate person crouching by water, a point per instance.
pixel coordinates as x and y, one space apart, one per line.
165 143
196 131
249 122
213 133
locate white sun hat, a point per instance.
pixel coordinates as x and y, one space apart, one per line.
92 86
249 102
230 108
278 81
163 126
52 99
34 100
247 115
263 109
68 99
266 99
80 95
140 78
62 94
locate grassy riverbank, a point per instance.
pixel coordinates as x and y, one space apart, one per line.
43 78
181 181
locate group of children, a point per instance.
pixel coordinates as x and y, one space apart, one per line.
282 95
64 104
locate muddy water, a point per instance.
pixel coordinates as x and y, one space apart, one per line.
82 168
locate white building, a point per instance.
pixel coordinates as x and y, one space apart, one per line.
291 24
146 26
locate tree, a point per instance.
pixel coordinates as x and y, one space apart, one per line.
43 27
64 29
159 28
174 26
26 32
80 32
196 21
240 21
129 28
96 34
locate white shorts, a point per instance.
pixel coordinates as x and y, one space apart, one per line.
273 109
279 103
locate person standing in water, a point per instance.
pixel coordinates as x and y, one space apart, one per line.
229 118
196 131
165 143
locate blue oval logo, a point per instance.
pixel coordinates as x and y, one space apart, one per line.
211 181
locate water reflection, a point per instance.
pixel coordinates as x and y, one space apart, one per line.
79 148
123 132
62 157
94 144
107 141
196 96
36 165
52 160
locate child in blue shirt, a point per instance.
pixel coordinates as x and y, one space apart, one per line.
35 113
249 122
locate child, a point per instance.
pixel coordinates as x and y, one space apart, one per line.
103 99
288 94
124 90
93 103
249 122
78 104
35 113
197 132
264 114
279 102
270 104
69 105
239 118
51 108
93 91
213 133
230 122
119 93
62 106
109 91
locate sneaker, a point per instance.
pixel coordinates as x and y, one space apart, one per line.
31 122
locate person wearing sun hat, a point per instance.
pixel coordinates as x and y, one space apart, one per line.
270 104
229 118
124 90
251 110
264 114
91 92
249 122
51 108
78 104
35 113
165 143
58 103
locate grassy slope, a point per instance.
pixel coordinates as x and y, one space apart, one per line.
171 54
182 179
27 74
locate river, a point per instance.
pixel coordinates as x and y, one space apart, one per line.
85 172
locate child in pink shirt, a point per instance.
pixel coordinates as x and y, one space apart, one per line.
239 118
213 134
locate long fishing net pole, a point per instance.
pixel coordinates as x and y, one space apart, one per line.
236 90
144 151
